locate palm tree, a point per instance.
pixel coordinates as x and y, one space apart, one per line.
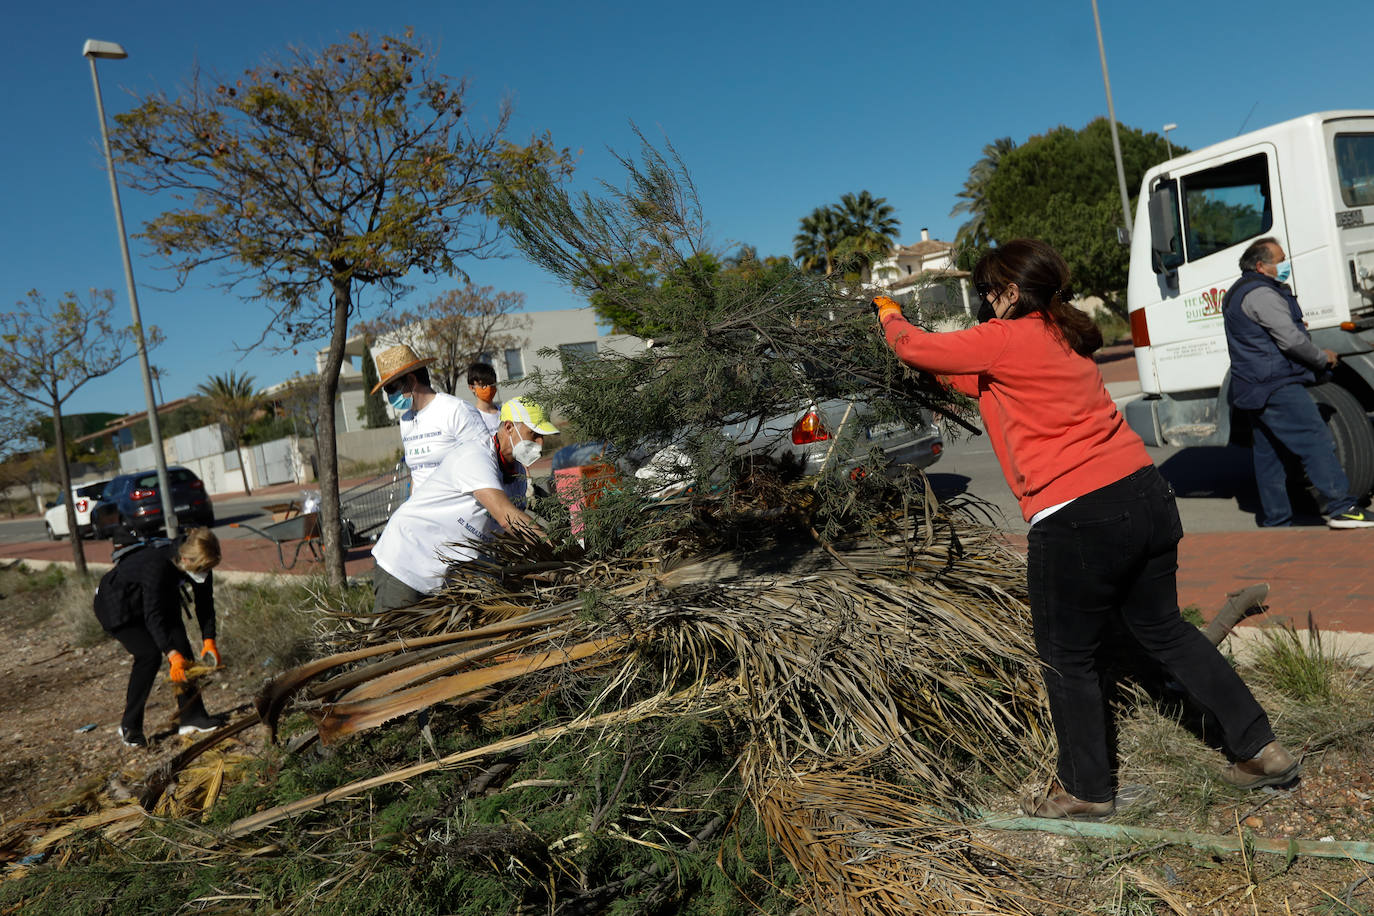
814 246
158 373
232 402
974 195
869 228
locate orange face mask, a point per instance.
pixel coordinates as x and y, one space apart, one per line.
484 392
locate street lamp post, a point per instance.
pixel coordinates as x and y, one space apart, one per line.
1116 142
1167 145
110 50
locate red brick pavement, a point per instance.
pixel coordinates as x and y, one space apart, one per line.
1308 569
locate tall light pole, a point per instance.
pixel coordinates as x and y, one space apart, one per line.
108 49
1111 119
1167 145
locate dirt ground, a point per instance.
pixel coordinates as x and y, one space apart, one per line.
60 706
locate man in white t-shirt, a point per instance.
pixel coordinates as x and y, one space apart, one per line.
432 423
477 488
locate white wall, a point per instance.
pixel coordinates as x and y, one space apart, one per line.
370 445
218 470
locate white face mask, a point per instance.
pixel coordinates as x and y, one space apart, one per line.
526 451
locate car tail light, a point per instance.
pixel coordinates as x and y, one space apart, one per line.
1140 331
81 505
142 494
195 484
809 429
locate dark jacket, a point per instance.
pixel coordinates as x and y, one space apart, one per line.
145 589
1258 366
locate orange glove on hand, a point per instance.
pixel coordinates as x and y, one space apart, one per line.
178 667
886 308
208 648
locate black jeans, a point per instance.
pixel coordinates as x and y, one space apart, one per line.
147 660
1113 554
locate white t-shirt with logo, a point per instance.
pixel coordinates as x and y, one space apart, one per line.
430 434
442 521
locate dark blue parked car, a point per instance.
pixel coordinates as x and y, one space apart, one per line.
132 503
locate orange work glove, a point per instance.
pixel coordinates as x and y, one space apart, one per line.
886 308
208 648
178 667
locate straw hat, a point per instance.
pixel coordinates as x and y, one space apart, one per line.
397 361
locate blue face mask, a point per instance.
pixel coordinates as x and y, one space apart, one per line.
1284 271
400 400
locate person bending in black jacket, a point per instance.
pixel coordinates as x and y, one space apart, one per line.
140 602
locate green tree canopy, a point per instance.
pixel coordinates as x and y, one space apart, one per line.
316 175
973 198
1062 187
848 236
736 341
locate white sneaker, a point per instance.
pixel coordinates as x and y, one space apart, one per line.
199 725
1355 518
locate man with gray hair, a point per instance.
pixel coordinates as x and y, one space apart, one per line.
1273 359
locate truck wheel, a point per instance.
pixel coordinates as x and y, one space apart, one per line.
52 535
1351 429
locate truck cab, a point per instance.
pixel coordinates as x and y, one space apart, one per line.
1309 183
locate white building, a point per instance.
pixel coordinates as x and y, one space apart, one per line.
924 274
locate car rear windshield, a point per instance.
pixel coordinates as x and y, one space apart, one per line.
177 476
91 490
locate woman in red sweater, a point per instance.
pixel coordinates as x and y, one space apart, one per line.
1103 542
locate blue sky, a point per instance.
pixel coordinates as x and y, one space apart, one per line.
775 107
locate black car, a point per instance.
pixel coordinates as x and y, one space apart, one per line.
132 503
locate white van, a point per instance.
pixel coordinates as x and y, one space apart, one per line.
1308 182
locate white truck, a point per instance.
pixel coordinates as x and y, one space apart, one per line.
1308 182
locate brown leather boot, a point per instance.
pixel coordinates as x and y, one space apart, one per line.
1058 803
1274 766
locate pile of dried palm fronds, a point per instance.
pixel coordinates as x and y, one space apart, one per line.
872 685
111 807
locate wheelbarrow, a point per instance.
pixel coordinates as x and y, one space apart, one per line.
302 530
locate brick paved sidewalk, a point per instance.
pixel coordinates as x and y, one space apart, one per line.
1308 569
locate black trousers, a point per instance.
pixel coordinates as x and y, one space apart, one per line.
147 660
1112 556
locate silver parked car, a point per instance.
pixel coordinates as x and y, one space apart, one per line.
810 436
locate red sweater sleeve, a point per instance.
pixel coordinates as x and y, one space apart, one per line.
957 357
